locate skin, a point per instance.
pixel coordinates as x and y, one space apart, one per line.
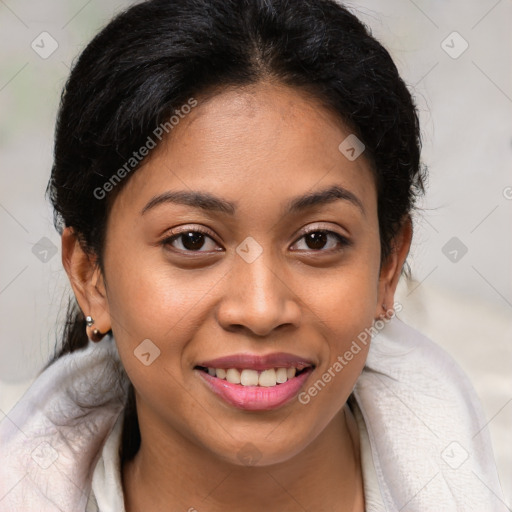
259 146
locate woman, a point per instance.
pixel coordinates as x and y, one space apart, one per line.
233 183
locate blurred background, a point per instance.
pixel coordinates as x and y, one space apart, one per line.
456 58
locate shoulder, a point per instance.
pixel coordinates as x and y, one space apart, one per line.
52 438
426 425
405 355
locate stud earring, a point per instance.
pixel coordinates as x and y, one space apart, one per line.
96 335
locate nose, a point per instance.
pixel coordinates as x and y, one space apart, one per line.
258 297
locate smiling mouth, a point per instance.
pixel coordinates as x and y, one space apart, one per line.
267 378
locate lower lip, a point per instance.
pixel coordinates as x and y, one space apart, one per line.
256 398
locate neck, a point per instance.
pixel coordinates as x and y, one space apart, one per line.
324 476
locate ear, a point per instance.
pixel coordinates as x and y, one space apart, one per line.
86 280
391 269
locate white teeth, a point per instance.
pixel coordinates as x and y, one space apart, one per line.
249 377
267 378
281 375
233 376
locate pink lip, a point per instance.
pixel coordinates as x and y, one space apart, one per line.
257 362
255 398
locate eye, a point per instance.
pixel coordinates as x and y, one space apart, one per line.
316 239
193 240
190 240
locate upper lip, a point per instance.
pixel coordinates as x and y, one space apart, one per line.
257 362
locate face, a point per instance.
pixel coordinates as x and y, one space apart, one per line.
250 278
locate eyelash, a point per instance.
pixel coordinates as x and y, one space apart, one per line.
343 242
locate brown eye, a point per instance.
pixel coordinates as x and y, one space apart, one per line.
190 241
316 240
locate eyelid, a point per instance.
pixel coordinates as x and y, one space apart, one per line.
343 241
186 229
319 227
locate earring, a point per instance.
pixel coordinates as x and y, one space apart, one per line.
96 334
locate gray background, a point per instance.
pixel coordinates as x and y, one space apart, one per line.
465 104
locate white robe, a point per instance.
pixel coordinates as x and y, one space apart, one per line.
425 445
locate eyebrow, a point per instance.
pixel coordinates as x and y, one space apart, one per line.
209 202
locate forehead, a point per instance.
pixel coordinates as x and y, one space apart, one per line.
264 142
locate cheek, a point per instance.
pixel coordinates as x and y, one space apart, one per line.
348 318
345 315
148 298
149 301
345 300
345 307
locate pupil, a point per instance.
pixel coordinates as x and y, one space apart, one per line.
193 240
318 240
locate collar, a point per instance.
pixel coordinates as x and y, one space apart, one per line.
425 425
